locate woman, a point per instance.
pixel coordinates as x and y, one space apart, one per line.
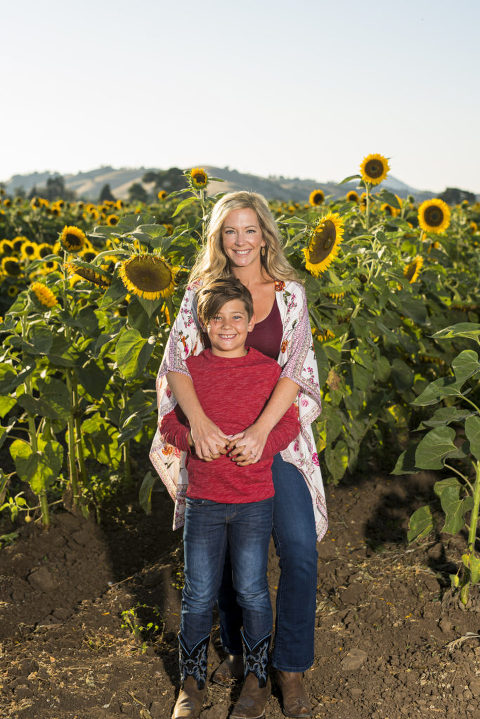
243 240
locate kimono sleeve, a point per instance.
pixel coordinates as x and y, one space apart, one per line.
297 357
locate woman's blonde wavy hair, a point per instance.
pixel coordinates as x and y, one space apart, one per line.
212 261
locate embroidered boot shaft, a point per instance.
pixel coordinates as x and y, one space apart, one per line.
193 673
256 689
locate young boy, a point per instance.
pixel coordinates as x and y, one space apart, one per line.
227 503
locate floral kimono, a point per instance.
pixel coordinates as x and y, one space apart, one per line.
298 363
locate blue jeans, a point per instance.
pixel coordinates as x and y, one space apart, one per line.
209 528
295 540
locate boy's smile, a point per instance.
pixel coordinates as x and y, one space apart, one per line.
229 328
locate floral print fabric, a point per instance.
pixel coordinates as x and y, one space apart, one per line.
298 363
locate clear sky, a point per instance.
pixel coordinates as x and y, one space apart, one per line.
301 89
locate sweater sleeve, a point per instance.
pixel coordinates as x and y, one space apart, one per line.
284 432
174 429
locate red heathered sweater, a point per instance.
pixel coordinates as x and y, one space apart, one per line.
233 392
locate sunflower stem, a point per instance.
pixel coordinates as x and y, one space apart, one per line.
72 467
78 434
472 535
32 431
367 207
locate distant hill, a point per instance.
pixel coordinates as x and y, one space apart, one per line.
88 185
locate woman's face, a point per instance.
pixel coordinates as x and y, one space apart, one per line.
242 238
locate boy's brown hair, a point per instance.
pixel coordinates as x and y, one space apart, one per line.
212 297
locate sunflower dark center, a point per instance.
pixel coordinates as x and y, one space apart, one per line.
374 169
322 242
30 250
433 216
149 276
318 198
73 240
12 267
411 270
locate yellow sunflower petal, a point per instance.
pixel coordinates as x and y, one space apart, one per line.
374 169
147 276
412 270
199 178
72 238
316 197
43 294
324 243
434 216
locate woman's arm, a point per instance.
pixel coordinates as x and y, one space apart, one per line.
249 445
208 439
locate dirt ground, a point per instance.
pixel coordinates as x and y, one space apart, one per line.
76 604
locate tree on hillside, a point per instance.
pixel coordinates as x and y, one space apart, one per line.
137 193
454 196
55 190
169 180
106 194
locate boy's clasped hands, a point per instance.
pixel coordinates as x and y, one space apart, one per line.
243 448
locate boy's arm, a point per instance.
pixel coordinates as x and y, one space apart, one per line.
284 432
174 430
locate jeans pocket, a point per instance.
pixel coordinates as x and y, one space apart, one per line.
194 502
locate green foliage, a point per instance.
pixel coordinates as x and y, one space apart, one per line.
452 442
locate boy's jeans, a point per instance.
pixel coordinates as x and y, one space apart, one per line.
295 541
209 528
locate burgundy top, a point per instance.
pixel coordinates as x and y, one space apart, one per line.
266 336
233 392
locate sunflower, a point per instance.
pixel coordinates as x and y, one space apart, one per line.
352 196
7 202
473 227
90 272
88 255
316 197
162 194
18 241
119 204
11 266
324 243
72 238
374 169
147 276
44 250
112 220
390 209
412 270
50 266
13 291
29 250
43 294
169 229
199 178
6 247
434 216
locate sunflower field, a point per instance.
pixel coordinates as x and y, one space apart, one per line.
88 293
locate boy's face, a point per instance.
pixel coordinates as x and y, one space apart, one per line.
229 328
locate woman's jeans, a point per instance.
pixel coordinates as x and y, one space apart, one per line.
295 540
209 528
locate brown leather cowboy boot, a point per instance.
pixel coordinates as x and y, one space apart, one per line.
229 671
295 702
256 688
193 673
